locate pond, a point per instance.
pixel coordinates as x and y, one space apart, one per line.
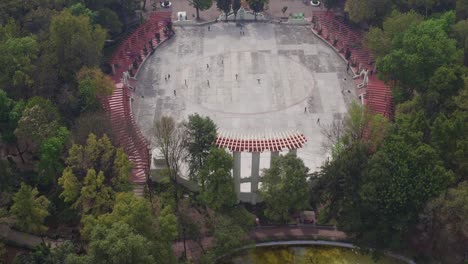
304 255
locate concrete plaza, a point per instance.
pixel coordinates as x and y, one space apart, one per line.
256 83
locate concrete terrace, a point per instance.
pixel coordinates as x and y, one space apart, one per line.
281 71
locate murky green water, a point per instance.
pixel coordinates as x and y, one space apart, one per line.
304 255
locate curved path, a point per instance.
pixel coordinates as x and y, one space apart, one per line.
267 233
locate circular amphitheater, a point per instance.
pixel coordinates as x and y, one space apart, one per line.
270 88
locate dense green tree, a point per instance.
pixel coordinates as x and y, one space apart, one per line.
92 83
71 186
381 40
257 6
445 220
285 174
30 210
95 197
460 31
109 20
201 137
75 43
200 5
16 60
217 184
50 156
461 9
424 48
97 154
122 171
338 182
330 4
97 123
402 177
134 211
10 114
426 5
228 236
449 138
224 6
79 9
6 175
118 243
360 10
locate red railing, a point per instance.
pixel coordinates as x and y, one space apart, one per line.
126 131
378 95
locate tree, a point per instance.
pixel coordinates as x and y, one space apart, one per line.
30 210
95 197
285 174
97 123
116 244
360 10
97 154
460 30
109 20
39 121
75 43
381 40
122 170
424 48
236 5
228 236
337 184
200 5
10 114
171 139
71 186
359 125
92 84
6 175
330 4
16 60
257 6
444 219
201 132
403 175
50 156
224 6
427 5
217 184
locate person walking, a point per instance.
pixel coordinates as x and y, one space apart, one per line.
258 80
318 121
236 76
305 109
209 29
185 82
168 76
175 94
208 82
207 66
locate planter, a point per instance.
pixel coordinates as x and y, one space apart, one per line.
166 4
315 3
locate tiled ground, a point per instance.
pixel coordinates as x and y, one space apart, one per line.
281 70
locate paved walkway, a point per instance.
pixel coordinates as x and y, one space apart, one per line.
24 239
273 233
273 9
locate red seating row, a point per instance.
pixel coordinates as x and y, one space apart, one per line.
278 142
126 131
378 94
